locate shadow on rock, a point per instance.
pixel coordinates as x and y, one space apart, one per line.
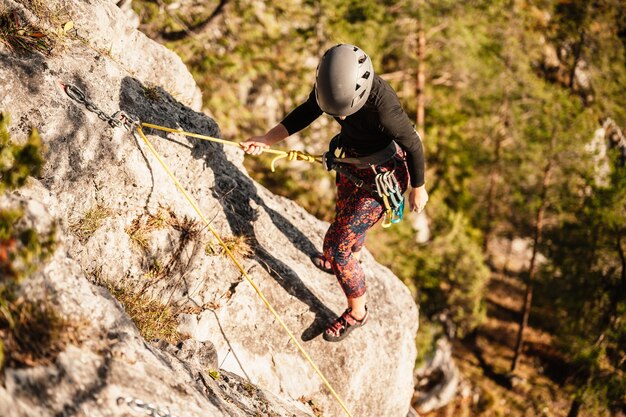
234 190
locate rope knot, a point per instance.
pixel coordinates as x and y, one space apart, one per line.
294 155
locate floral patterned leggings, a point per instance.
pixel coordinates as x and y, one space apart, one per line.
357 210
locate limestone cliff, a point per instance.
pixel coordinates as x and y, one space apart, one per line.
147 240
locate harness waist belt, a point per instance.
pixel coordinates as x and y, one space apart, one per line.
376 158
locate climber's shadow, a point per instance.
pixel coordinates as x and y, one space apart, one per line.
233 189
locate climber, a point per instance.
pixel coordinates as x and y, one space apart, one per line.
372 122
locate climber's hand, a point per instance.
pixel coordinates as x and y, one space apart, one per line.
418 197
254 145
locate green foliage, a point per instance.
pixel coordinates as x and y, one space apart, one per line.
395 248
31 331
17 162
447 274
586 282
21 249
426 338
451 272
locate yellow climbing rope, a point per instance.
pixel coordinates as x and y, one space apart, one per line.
289 155
282 154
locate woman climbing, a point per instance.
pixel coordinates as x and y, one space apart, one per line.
375 132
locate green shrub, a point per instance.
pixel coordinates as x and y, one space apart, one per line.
17 162
31 331
451 271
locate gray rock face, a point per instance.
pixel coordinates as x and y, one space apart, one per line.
114 372
147 237
131 16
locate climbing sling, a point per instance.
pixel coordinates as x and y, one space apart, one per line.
385 183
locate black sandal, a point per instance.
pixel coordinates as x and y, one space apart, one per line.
321 262
343 325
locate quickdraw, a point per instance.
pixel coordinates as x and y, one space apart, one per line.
387 187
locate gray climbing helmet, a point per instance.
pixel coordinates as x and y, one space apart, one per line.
344 80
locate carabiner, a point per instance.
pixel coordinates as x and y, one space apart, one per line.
391 182
398 212
387 219
380 186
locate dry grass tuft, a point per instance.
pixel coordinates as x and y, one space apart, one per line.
45 35
20 36
143 225
152 92
153 319
189 228
91 221
32 332
315 408
239 246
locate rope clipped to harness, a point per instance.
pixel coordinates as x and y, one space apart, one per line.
385 183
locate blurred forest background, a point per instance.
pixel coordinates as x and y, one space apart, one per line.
520 259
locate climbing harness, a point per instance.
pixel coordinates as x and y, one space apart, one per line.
385 183
134 125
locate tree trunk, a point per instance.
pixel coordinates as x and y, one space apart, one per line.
577 52
622 257
532 269
493 178
196 28
421 72
574 408
495 174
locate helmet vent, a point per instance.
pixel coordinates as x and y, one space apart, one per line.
366 75
362 59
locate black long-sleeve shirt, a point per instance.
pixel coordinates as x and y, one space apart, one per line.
372 128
